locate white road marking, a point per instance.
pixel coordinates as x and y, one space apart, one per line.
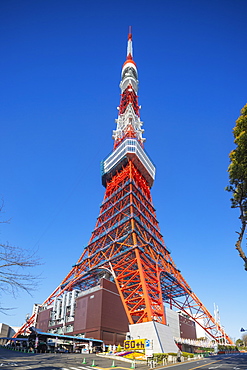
81 367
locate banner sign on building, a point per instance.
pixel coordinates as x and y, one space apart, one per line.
135 344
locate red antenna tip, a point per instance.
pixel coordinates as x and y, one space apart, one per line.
130 33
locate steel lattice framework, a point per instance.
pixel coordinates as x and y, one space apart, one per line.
126 242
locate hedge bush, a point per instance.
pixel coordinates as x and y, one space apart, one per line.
159 356
187 354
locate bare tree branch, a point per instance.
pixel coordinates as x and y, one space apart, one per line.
15 263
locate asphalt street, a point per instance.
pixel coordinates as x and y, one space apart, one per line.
61 361
46 361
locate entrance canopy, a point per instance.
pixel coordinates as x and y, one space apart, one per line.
36 332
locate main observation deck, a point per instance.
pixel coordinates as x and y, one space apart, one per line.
128 149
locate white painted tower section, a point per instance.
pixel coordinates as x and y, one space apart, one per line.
129 79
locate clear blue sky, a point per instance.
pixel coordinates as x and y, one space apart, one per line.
60 69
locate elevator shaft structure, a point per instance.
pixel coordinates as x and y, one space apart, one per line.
127 245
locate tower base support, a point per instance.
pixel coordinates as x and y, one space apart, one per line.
159 334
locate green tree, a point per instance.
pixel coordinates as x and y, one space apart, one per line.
238 177
239 342
119 348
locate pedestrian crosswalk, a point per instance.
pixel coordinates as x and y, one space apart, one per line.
8 364
80 368
26 367
76 368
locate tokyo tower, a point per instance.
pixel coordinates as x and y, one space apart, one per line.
126 246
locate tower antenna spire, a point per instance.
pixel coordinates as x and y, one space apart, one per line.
129 46
130 32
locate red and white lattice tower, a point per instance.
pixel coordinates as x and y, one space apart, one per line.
127 243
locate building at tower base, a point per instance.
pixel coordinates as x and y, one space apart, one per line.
94 313
160 335
98 313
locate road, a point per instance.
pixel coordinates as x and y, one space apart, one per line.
58 361
220 362
24 361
